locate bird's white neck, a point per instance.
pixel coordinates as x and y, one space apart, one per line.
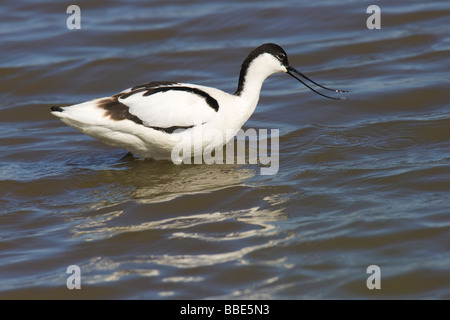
251 79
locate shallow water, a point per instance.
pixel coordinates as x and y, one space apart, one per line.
361 182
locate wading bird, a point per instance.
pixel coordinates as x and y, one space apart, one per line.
149 120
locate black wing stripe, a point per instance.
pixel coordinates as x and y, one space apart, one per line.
171 129
119 111
152 90
155 84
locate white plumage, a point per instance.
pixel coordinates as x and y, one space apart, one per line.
151 119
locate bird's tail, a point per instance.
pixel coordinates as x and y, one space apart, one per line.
57 109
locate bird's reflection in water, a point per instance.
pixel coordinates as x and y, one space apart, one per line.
146 191
188 180
185 216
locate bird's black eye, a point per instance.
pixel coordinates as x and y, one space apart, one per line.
280 56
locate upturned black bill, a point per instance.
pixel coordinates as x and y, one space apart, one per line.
291 69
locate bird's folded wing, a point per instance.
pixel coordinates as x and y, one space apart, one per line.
166 107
